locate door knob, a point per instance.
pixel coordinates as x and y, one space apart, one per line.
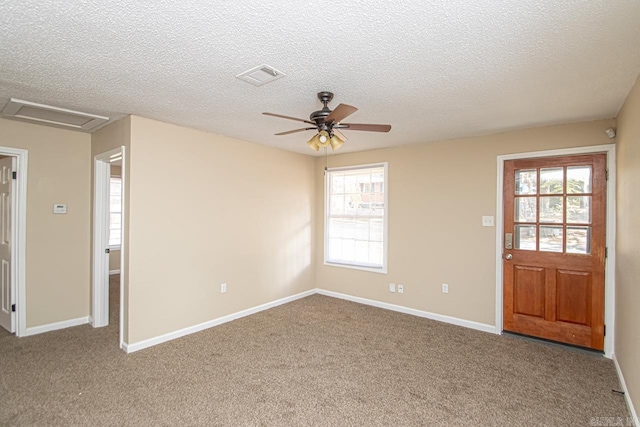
508 256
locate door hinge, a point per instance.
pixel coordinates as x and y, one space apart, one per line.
605 330
15 174
106 251
606 252
606 175
13 308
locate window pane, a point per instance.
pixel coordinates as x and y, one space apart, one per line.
551 209
551 238
362 251
337 184
525 237
579 179
526 182
114 237
362 229
376 227
579 209
526 209
335 248
579 240
337 204
375 253
551 181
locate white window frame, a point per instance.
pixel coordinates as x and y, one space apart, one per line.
385 231
115 247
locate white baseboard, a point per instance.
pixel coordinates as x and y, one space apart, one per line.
114 272
130 348
627 398
406 310
55 326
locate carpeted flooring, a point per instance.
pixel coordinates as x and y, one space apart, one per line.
315 361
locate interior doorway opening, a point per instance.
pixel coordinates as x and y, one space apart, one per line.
108 236
13 199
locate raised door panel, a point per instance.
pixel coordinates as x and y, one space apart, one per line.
529 291
573 302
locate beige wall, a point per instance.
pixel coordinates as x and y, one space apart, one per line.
57 276
116 135
438 193
627 340
206 209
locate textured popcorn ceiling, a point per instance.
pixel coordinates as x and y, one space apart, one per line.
433 69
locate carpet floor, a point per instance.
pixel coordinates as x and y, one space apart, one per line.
315 361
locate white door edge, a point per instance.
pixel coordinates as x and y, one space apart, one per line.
609 281
19 236
100 279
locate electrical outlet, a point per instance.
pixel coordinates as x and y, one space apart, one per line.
445 288
223 288
392 287
400 289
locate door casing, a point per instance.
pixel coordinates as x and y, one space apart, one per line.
610 150
19 236
100 263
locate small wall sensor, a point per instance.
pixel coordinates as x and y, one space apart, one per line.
611 132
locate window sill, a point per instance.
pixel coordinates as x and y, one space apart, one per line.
380 270
114 247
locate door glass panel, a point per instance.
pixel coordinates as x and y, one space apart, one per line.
551 181
526 182
551 238
551 209
525 237
579 179
526 208
579 240
579 209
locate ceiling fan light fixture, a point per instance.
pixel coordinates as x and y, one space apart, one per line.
313 144
335 142
323 138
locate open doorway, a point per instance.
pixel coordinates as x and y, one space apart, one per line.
13 196
108 240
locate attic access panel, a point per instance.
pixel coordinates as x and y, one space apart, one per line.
48 114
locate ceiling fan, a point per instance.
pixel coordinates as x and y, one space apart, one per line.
328 124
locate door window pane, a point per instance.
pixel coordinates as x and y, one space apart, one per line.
579 179
579 240
579 209
551 238
551 181
551 209
526 208
525 237
526 182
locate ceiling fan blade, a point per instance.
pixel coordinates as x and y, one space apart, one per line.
340 134
289 117
340 113
367 127
293 131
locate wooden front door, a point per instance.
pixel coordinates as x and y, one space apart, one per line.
554 248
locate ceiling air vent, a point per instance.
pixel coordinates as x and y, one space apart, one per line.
46 114
260 75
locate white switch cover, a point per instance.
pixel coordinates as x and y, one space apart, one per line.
223 288
60 208
392 287
487 221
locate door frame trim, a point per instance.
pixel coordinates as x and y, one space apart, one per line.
19 237
100 226
609 277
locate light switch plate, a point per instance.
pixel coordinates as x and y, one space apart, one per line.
60 208
487 221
